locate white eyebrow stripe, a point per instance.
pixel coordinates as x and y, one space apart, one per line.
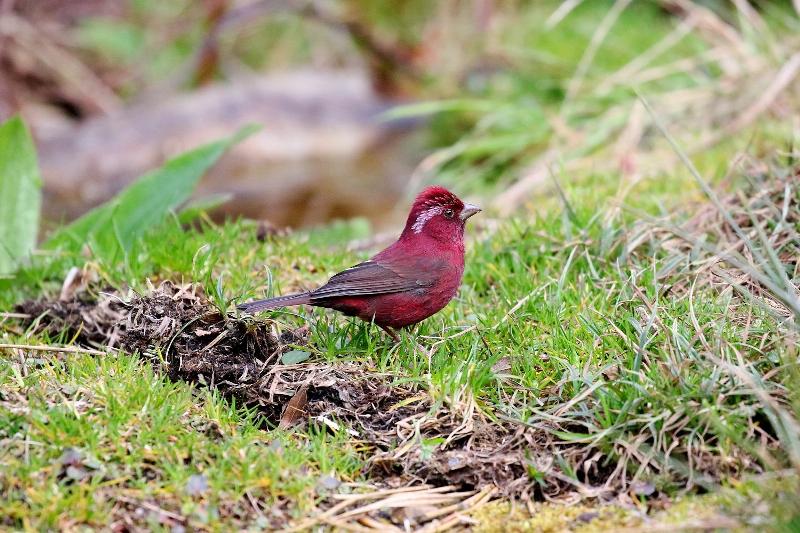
424 217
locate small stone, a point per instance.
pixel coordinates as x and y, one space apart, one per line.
454 462
329 483
196 485
643 488
71 456
77 473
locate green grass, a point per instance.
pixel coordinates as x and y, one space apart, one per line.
589 314
141 438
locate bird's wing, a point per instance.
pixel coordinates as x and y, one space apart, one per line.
372 277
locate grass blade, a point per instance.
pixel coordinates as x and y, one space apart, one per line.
20 194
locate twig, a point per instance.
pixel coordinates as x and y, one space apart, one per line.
40 348
14 315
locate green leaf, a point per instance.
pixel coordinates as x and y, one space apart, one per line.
115 226
571 435
203 205
428 446
294 357
20 194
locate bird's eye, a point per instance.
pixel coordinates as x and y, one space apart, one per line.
449 213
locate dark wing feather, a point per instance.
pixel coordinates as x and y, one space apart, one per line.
370 277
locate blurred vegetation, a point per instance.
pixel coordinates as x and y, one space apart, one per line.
507 83
515 91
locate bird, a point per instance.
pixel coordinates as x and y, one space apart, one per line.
407 282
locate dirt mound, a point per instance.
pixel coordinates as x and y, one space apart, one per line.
410 440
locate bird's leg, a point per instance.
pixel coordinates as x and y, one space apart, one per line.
392 333
427 353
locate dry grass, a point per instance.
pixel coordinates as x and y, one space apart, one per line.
746 71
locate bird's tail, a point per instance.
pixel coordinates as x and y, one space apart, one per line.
273 303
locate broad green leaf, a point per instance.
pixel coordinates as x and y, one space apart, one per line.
115 226
294 357
20 194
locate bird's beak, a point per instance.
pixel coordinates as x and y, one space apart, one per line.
469 210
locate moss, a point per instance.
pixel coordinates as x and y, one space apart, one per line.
771 503
553 517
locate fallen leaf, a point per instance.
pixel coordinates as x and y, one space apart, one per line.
294 357
295 409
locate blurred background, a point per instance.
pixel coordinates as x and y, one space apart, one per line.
361 102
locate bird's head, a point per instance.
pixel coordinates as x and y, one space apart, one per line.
439 214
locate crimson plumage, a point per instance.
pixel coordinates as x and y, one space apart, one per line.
407 282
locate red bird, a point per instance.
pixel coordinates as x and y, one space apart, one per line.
407 282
